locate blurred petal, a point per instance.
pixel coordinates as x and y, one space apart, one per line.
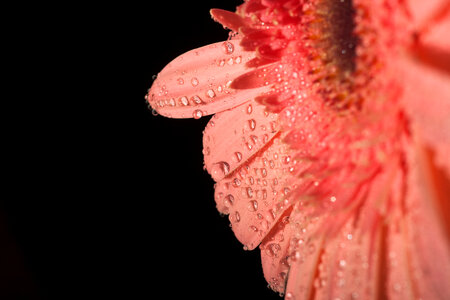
438 34
421 10
426 99
233 136
197 83
349 267
424 223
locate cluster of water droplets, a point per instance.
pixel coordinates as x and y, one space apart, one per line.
207 89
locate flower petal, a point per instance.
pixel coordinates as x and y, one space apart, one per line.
227 18
349 267
233 136
256 194
305 260
275 254
425 231
197 83
434 35
421 11
426 99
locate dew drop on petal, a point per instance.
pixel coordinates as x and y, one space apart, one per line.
252 205
252 124
197 114
184 101
237 156
180 81
220 169
249 109
194 81
210 93
228 200
228 47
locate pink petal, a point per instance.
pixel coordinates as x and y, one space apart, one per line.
257 193
255 78
349 267
197 83
438 33
426 99
227 19
421 10
233 136
275 254
399 284
306 249
425 231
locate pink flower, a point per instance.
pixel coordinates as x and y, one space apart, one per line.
329 141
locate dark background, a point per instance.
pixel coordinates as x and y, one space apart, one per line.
103 199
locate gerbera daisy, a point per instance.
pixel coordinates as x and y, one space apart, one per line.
329 141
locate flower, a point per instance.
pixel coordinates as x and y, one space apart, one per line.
329 141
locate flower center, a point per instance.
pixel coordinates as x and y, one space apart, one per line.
336 25
331 31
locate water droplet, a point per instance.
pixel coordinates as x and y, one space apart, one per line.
228 47
333 199
154 112
289 296
349 236
180 81
249 109
228 200
342 263
207 151
220 169
237 216
210 93
253 228
237 156
197 114
236 182
249 192
196 100
184 101
194 81
263 172
252 205
252 124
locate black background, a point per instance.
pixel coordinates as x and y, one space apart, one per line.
102 198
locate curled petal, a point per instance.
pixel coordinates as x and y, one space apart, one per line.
263 76
197 83
233 136
228 19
